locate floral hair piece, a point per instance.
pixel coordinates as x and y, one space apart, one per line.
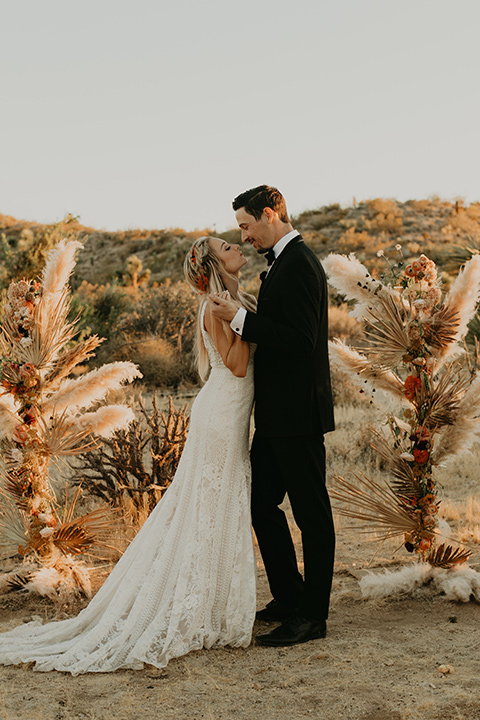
194 255
203 282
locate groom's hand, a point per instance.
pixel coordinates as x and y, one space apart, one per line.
222 307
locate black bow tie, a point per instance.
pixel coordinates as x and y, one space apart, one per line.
270 256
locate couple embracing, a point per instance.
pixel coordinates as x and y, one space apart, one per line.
188 578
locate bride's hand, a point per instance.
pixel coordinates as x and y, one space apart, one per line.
223 306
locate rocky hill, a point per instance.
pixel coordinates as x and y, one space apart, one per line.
433 226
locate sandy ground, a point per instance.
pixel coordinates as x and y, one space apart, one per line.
379 661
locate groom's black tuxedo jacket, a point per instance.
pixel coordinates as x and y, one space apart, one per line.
292 378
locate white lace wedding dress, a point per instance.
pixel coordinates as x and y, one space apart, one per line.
188 578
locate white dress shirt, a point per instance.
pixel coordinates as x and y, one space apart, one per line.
239 319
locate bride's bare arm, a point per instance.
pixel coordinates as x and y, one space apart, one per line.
233 350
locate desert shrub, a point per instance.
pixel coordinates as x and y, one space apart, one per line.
160 364
133 469
316 241
344 391
318 219
100 307
387 216
167 311
352 241
154 327
380 205
341 325
462 222
23 253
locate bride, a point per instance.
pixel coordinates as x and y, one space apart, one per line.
187 580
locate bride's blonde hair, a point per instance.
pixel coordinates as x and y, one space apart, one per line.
204 272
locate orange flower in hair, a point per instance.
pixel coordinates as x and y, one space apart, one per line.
203 282
194 255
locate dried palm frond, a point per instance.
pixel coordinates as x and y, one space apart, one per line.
441 329
387 331
13 484
84 391
352 279
405 485
376 506
73 357
62 436
442 401
362 370
78 535
18 582
13 526
445 556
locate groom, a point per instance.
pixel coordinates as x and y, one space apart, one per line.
293 410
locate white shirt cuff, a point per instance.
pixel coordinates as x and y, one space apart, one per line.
239 321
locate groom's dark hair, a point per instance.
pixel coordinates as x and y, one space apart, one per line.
257 199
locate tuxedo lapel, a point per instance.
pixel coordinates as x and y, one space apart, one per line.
278 261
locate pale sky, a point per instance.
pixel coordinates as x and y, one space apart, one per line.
155 114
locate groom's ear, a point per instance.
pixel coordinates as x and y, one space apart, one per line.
270 214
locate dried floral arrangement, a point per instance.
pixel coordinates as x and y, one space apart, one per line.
46 416
412 355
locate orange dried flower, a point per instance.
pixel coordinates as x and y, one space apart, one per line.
412 384
421 456
423 433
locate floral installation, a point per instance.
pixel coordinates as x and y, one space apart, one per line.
44 416
412 353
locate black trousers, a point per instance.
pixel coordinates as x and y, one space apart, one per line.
294 466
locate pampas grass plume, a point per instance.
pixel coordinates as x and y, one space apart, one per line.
59 266
84 391
352 279
363 372
45 581
458 584
464 294
8 417
106 420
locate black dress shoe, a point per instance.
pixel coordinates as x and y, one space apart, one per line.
274 612
293 631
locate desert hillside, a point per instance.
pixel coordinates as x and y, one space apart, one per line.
432 226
